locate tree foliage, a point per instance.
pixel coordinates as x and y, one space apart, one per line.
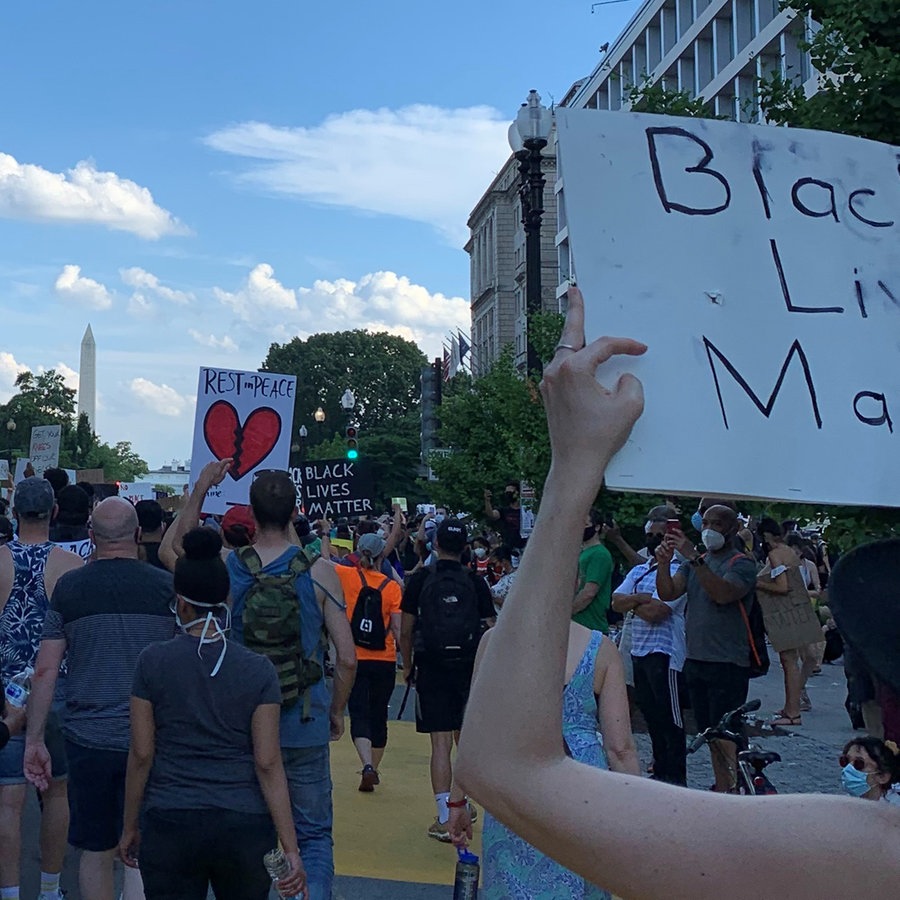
857 50
384 372
44 399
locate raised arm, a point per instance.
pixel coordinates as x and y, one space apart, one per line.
396 531
170 547
514 715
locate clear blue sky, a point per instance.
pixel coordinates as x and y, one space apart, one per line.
197 179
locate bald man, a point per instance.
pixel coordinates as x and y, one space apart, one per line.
717 582
104 615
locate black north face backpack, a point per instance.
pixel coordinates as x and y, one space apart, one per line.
367 621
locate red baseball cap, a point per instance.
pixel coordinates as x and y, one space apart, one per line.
238 516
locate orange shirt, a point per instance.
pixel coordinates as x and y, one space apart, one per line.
390 604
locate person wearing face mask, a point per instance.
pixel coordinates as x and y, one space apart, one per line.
595 568
480 563
508 518
657 655
502 564
870 769
720 586
204 768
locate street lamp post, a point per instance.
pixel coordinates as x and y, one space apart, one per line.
302 433
319 416
528 136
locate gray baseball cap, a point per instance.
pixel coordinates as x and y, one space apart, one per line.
34 498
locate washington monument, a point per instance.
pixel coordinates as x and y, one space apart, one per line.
87 379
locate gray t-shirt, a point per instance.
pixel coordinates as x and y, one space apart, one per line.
204 744
717 633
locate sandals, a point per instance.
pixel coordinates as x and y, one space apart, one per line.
783 721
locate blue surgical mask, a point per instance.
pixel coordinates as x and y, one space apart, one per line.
855 783
697 520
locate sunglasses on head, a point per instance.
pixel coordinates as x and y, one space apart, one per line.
858 764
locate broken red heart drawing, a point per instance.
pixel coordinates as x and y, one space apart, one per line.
249 444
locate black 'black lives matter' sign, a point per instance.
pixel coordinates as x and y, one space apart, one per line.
331 488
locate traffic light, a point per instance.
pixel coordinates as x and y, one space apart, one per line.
351 434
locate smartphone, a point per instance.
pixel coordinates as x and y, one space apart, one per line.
672 525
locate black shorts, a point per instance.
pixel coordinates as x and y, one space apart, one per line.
96 796
442 692
369 699
184 851
715 688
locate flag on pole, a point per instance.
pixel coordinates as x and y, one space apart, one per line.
464 346
446 364
454 355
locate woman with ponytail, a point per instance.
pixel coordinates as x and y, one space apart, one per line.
205 777
373 606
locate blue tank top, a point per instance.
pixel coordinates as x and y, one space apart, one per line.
22 619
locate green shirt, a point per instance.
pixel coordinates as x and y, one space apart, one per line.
595 566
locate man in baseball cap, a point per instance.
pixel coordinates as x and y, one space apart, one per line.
34 498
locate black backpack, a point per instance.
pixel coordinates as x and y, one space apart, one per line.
367 621
756 631
449 619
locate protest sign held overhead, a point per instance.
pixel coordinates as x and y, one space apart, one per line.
761 266
246 416
334 488
44 449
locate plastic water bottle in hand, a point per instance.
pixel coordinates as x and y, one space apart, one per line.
278 867
467 871
19 687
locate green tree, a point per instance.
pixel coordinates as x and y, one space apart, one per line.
857 49
381 369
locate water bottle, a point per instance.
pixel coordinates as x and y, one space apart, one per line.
467 870
278 867
19 687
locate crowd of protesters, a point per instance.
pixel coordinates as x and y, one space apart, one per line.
187 677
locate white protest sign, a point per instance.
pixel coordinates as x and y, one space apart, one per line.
4 470
761 266
21 466
44 450
134 492
247 416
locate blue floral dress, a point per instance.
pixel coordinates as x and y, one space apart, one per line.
513 869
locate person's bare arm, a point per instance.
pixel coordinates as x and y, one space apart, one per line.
612 534
489 511
612 710
623 603
396 531
170 548
653 611
46 668
396 620
273 783
585 596
337 625
407 626
668 586
511 734
140 761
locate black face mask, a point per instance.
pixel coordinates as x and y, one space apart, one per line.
511 496
588 534
653 541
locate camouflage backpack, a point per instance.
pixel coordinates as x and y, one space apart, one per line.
272 625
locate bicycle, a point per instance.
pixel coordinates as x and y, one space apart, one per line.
751 761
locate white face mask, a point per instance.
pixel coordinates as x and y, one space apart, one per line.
209 621
480 552
712 539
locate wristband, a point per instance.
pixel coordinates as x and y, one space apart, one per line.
458 804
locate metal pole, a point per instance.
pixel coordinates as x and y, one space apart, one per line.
531 192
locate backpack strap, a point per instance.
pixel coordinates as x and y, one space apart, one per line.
250 558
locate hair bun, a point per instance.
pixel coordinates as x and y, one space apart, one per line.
201 543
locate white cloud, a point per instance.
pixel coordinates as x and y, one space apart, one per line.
10 369
69 375
420 162
159 398
72 285
82 194
142 280
261 297
210 340
380 301
140 307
